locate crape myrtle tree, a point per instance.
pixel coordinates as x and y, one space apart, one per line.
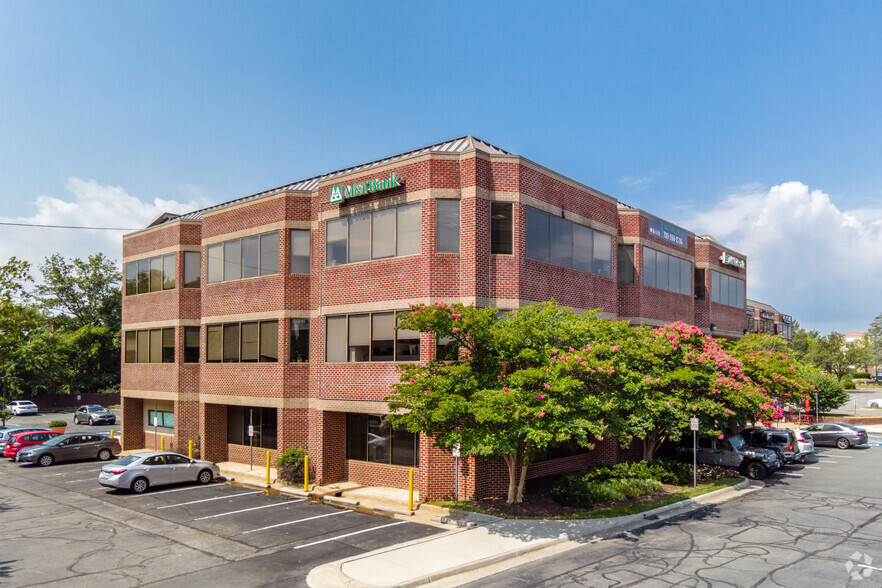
665 376
771 366
502 397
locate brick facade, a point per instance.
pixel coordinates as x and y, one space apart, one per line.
311 399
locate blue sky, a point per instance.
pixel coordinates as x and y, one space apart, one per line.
756 122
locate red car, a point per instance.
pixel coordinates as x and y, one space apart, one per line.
18 441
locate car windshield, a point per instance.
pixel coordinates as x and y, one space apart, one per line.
738 441
127 460
97 409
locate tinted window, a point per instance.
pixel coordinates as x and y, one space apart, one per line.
447 228
501 227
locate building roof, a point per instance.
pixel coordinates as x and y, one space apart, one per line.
762 306
462 144
854 334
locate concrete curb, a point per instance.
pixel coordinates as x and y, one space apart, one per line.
254 484
295 492
340 501
331 574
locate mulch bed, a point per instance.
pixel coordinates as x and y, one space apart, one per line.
538 504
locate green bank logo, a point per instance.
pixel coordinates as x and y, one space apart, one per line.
732 260
340 193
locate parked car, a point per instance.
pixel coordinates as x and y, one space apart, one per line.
20 407
805 441
94 414
18 441
139 471
70 447
841 435
733 452
874 403
4 435
782 441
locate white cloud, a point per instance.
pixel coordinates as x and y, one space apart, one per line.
639 182
92 205
806 257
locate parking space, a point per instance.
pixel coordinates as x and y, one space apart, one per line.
261 521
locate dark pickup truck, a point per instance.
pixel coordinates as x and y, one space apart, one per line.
731 452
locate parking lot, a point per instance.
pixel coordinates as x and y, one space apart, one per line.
218 533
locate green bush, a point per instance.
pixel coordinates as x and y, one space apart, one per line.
861 375
289 465
57 424
572 490
662 470
848 385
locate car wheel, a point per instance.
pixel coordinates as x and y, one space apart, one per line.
104 454
91 422
140 485
205 477
46 459
874 405
76 420
755 470
842 443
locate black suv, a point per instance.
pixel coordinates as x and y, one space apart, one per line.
731 452
781 441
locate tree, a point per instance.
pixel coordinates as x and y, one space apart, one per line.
874 341
18 317
503 396
831 392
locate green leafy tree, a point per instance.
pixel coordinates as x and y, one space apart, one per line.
874 340
831 393
502 397
768 363
18 319
803 342
83 301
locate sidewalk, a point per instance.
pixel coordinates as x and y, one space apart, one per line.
479 541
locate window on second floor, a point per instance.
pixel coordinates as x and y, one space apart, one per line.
501 228
150 346
447 226
379 234
150 275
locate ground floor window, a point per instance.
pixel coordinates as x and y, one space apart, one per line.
557 450
161 418
263 423
370 437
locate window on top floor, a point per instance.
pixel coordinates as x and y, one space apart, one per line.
192 269
154 274
447 226
249 257
666 272
555 240
501 228
726 289
301 246
625 273
379 234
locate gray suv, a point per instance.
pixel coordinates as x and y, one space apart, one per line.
731 452
781 441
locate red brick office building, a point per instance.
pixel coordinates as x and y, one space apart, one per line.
275 312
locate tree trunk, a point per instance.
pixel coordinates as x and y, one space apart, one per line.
511 460
520 496
651 443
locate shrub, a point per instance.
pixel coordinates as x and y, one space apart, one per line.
861 375
289 465
662 470
848 385
572 490
57 424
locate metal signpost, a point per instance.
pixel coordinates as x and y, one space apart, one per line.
693 425
251 438
456 454
816 407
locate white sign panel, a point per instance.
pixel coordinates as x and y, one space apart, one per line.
456 450
251 430
693 424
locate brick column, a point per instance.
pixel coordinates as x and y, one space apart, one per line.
327 445
213 432
132 423
186 423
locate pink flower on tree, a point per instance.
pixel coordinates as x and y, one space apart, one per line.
504 389
615 348
721 436
547 386
412 380
540 396
542 413
455 330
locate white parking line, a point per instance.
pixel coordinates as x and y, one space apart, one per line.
788 475
223 514
845 456
182 489
209 499
812 467
92 479
350 535
330 514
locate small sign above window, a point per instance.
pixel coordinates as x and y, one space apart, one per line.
340 193
728 259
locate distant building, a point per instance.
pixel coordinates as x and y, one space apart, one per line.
853 337
762 318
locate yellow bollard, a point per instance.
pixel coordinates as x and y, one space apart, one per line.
190 449
410 490
306 473
267 465
162 443
111 433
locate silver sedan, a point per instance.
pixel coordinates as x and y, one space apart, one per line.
139 471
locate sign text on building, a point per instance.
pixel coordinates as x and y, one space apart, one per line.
340 193
671 234
732 260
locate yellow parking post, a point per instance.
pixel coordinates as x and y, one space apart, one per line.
267 465
190 449
162 443
111 433
410 490
306 473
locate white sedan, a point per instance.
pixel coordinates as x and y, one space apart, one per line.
874 403
20 407
139 471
